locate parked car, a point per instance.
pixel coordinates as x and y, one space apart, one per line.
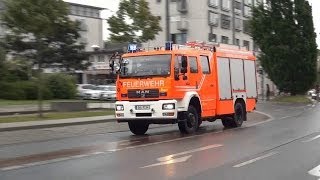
311 92
82 88
109 92
314 96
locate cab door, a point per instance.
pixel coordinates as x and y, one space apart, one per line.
194 76
207 85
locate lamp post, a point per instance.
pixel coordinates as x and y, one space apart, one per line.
261 72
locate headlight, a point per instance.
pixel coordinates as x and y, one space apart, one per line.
168 106
119 107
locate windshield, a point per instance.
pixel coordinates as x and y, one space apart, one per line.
155 65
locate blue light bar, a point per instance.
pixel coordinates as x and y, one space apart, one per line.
168 45
132 47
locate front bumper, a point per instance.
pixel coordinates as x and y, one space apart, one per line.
154 112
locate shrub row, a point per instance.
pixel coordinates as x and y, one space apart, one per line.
55 86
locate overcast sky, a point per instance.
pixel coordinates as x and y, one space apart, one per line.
112 6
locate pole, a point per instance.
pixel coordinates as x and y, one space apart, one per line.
233 23
168 21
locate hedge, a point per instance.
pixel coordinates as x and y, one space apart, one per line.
55 86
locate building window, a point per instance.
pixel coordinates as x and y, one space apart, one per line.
101 59
193 65
255 47
246 26
205 64
238 24
246 11
248 2
77 10
83 25
179 38
92 59
246 44
225 21
237 7
237 42
213 18
182 6
224 39
158 1
226 5
212 37
213 3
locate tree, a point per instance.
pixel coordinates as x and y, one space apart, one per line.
283 29
42 32
133 22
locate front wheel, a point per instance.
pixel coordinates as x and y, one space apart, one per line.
191 124
237 119
138 128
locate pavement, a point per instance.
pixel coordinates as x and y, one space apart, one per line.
284 144
54 123
29 109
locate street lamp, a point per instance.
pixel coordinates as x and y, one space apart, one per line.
261 72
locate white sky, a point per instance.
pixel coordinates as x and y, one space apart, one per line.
112 6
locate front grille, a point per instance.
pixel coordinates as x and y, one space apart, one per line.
143 93
143 114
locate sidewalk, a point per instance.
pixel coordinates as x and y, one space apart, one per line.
30 109
54 123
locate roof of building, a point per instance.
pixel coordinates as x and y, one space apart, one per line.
88 6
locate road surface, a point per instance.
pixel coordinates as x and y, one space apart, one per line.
285 146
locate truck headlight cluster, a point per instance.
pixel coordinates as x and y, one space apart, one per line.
119 107
168 106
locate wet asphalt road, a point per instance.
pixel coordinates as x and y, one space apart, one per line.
284 147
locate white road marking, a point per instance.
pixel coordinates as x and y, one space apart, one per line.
255 159
268 115
172 161
169 159
311 139
315 171
285 117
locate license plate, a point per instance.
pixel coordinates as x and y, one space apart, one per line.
142 107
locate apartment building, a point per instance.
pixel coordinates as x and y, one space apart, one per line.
221 21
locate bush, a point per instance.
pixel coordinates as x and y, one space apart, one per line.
11 91
55 86
22 90
62 86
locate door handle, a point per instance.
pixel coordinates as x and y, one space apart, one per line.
211 85
187 83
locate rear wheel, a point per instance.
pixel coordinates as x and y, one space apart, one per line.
191 122
237 119
138 128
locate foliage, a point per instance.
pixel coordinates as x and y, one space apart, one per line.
21 90
61 86
57 86
133 22
284 31
42 32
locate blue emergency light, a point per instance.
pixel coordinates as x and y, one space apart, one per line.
132 48
169 45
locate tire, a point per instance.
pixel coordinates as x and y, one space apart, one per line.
138 128
191 124
237 119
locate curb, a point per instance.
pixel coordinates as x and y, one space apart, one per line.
41 126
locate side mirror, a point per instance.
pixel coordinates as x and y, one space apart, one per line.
184 64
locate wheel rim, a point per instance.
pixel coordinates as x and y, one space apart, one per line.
191 122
